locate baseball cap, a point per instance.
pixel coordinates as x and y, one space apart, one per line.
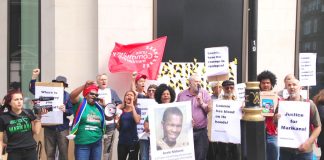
61 79
227 83
139 76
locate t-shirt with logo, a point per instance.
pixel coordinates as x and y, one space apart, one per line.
18 129
89 130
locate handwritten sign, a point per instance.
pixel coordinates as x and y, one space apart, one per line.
216 60
225 121
56 90
293 125
307 69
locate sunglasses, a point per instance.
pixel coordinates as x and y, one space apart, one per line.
229 87
94 94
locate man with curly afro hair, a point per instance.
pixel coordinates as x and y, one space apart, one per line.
267 81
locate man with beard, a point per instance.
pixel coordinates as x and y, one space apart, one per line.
227 151
305 150
201 104
109 96
172 126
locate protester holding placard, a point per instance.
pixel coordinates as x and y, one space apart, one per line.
127 126
20 125
89 122
144 141
267 81
55 136
304 151
201 104
163 94
109 96
228 151
319 102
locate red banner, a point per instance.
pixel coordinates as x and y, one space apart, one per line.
144 58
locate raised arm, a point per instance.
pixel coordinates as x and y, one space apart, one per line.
74 95
33 80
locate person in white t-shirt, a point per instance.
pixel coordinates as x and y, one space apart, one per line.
110 97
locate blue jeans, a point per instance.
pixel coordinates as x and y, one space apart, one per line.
200 143
293 154
272 147
144 149
90 151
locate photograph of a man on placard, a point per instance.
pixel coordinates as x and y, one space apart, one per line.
172 125
171 136
267 106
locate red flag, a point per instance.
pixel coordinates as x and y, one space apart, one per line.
144 58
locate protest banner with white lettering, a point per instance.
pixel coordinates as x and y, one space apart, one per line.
143 104
293 124
225 121
307 69
171 131
216 60
49 89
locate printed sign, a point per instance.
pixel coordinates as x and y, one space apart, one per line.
55 90
171 131
293 124
143 104
268 102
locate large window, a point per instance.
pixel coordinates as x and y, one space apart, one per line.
311 36
24 42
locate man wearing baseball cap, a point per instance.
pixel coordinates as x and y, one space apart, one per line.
138 84
55 136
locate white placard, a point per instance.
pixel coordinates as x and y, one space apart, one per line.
54 117
307 69
293 124
184 147
226 116
240 91
216 60
143 104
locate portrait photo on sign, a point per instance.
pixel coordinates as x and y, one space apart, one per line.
267 106
171 130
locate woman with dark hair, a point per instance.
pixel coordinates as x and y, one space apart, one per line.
163 94
89 122
19 124
127 127
319 102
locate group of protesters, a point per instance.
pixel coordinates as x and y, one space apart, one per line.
93 130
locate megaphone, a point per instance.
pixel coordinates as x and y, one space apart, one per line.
110 110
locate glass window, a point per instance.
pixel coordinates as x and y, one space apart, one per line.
24 42
312 37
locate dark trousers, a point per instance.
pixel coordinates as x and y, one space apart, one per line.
22 154
125 150
55 139
200 143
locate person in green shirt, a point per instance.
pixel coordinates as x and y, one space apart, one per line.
89 122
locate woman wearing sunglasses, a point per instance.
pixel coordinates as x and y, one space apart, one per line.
89 122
